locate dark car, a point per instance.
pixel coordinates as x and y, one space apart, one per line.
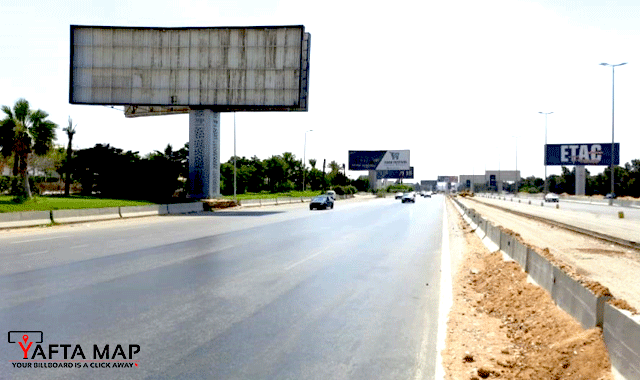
321 202
610 196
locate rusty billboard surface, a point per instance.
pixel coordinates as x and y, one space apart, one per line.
172 70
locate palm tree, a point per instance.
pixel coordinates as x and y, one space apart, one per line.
23 132
71 130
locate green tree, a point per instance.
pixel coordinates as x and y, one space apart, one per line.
70 130
24 132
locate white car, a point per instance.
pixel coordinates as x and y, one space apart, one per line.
551 197
409 197
398 195
332 194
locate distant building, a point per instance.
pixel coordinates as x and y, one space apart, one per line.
491 180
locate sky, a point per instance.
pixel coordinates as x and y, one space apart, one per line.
458 83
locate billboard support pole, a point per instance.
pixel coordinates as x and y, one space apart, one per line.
204 154
373 180
581 179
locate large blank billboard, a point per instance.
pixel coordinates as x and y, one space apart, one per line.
224 69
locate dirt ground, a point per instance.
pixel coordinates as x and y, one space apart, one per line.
502 327
606 268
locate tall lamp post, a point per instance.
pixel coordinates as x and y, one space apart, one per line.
304 160
516 181
613 76
546 184
235 198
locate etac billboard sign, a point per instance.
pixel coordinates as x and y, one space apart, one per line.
582 154
379 160
382 174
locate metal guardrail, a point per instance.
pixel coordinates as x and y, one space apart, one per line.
39 218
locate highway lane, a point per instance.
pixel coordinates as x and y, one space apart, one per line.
234 295
600 210
598 218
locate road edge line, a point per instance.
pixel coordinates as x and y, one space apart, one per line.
446 295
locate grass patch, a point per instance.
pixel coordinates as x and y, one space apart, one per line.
293 194
47 203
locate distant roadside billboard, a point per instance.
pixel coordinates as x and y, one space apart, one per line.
379 160
152 70
448 178
428 183
382 174
582 154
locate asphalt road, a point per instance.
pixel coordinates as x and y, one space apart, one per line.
595 209
270 293
594 217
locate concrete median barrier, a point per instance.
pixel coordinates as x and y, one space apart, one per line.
540 270
185 208
481 231
577 300
251 202
507 243
621 334
24 219
139 211
85 215
621 330
488 240
519 254
494 234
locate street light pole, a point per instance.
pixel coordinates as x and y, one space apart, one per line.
613 84
546 184
304 160
235 199
516 192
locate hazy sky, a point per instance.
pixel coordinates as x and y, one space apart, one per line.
456 82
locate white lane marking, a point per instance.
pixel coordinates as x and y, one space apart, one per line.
79 246
446 296
42 239
303 260
35 253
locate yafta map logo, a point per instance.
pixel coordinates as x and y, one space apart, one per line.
35 354
25 338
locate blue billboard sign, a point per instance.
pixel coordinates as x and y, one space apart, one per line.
379 160
582 154
381 174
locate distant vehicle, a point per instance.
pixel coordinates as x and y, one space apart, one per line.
409 197
610 196
427 194
321 202
399 195
332 194
551 197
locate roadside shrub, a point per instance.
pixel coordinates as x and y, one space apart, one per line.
530 190
350 189
399 188
339 190
5 184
